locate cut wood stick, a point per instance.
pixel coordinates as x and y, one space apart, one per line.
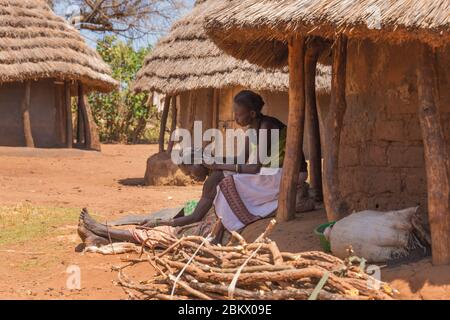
190 290
239 238
276 255
268 231
243 272
249 278
266 268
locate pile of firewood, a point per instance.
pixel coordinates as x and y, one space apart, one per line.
192 268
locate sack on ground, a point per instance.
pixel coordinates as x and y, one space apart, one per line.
375 236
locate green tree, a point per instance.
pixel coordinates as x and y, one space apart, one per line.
122 116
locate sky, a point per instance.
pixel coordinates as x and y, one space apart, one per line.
91 37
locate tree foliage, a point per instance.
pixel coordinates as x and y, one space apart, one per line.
122 116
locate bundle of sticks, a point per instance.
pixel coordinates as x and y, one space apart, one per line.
192 268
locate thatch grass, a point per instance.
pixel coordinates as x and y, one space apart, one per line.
186 59
35 44
258 30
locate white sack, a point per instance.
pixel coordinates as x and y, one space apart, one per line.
373 235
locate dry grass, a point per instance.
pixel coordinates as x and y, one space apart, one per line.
259 30
24 222
186 59
35 43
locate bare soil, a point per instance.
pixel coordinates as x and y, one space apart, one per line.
110 184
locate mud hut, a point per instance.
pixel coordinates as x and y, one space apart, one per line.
386 131
44 62
202 80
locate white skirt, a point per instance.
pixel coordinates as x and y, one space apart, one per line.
247 197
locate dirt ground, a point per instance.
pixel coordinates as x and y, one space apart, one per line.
110 184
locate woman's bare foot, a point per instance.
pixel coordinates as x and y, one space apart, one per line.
92 225
102 231
88 237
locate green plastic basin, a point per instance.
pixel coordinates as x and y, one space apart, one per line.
326 246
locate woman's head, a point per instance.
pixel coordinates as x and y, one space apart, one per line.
247 107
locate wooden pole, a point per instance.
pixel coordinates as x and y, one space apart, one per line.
26 103
162 130
333 126
60 113
82 108
81 139
173 125
296 122
91 136
68 106
314 49
436 158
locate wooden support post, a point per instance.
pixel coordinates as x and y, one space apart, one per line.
26 104
68 113
81 139
333 125
314 48
91 136
82 110
173 126
60 113
436 158
162 129
296 123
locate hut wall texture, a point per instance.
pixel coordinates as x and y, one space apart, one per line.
195 106
382 156
42 114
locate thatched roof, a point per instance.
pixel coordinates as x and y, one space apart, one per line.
258 29
186 59
35 43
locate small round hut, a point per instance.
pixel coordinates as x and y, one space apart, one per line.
44 62
386 131
202 80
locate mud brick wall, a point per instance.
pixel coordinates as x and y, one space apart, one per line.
43 118
382 159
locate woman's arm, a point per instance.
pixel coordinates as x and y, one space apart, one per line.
202 208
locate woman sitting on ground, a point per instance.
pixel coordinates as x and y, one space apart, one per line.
240 193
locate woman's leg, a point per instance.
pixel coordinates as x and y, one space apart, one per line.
89 225
102 231
206 201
